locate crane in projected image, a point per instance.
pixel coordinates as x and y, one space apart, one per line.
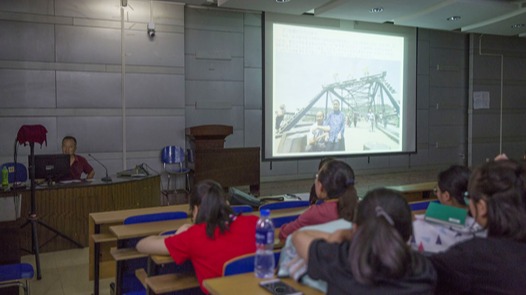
369 93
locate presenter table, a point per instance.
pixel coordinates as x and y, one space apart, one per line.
101 264
65 207
247 283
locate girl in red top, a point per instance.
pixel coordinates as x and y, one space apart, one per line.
334 184
216 236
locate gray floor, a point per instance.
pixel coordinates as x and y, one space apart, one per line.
66 272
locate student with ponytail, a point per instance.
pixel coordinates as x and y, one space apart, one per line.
334 185
216 236
373 257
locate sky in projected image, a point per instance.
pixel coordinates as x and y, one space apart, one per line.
309 61
306 59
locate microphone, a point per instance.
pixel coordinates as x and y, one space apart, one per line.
106 178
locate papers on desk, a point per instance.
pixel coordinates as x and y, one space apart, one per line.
71 181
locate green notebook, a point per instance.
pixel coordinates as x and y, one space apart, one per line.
447 215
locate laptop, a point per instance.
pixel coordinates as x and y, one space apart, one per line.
447 215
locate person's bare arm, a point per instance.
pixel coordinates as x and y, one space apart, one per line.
91 174
340 236
153 245
302 239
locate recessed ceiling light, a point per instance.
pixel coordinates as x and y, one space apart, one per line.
454 18
518 26
376 10
282 1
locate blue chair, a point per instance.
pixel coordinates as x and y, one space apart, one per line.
17 274
155 217
129 282
285 205
242 208
18 171
421 205
244 264
174 164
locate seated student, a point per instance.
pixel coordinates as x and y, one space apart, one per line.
334 185
216 236
373 257
292 265
432 237
78 164
492 265
313 198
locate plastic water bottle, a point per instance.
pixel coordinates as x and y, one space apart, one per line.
5 175
264 261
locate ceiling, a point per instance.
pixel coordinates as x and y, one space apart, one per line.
496 17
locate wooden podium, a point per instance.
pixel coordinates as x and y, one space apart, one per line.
229 167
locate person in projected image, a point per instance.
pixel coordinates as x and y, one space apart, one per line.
318 135
336 123
78 164
372 118
280 115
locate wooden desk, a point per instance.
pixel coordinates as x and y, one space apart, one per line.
101 264
247 283
137 230
416 191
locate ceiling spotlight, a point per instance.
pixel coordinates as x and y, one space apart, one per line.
454 18
518 26
282 1
376 10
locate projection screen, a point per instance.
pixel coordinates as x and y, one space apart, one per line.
337 88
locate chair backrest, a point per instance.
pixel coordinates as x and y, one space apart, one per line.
16 274
19 169
242 208
284 205
244 264
172 154
155 217
420 205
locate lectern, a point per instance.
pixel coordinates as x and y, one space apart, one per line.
229 167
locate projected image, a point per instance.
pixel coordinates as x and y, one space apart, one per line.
336 92
357 115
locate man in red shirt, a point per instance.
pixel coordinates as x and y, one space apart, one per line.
78 164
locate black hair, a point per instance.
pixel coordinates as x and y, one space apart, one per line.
69 137
313 198
214 210
454 180
502 185
379 247
337 178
